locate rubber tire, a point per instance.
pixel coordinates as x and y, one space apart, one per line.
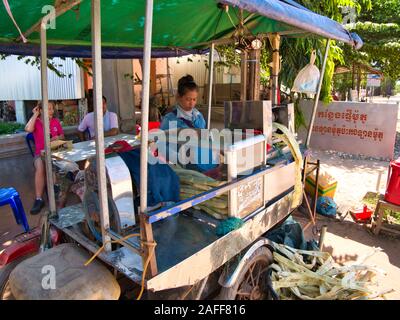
5 275
262 253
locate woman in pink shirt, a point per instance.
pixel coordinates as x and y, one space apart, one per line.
35 125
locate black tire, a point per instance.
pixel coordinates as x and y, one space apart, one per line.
5 290
259 262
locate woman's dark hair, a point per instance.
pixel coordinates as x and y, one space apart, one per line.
186 84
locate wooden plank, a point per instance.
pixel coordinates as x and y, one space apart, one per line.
146 236
378 216
391 206
390 230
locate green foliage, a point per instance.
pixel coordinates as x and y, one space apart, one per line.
296 52
10 127
265 70
333 8
372 32
299 119
397 88
383 11
380 30
229 55
342 82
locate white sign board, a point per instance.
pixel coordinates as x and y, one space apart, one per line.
353 127
373 80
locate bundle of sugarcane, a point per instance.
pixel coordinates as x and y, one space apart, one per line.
313 275
193 183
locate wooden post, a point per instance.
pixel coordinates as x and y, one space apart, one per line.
358 82
254 78
243 76
275 40
153 78
146 234
168 79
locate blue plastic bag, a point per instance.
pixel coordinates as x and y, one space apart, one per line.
326 206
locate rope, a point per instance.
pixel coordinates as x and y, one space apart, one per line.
146 264
150 244
8 9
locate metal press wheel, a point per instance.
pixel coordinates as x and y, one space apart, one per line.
91 207
251 282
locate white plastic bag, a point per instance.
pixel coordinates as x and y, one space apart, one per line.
308 78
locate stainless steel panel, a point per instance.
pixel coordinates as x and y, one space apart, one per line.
284 114
278 181
69 216
249 115
121 190
243 158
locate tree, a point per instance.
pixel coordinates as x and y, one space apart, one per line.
296 52
380 30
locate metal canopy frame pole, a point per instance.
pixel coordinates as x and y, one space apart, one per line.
321 79
146 232
45 112
98 120
210 82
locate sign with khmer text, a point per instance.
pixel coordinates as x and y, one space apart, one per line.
353 127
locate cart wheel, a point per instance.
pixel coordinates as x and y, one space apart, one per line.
5 289
251 282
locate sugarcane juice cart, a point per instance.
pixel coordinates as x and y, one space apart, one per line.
173 250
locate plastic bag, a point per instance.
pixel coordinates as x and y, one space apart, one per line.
308 78
326 206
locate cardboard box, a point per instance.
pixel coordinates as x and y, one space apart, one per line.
326 185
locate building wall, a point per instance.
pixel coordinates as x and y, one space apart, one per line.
178 67
119 91
21 81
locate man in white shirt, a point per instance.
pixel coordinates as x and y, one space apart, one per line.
110 123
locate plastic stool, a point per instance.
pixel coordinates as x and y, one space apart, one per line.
11 196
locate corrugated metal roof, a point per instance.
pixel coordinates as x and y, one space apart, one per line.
21 81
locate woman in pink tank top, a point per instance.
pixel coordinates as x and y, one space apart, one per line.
35 126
